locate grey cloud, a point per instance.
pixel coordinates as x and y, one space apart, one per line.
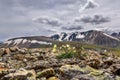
51 31
39 4
47 21
90 4
95 19
16 15
73 27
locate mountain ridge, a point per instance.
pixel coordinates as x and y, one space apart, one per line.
90 37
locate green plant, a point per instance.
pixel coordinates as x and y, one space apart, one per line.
65 55
54 48
79 51
68 51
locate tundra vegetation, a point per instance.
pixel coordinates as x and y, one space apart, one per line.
61 61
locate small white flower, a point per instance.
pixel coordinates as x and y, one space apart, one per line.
68 45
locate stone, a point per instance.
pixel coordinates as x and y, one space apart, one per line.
46 73
13 49
69 67
22 51
53 78
2 51
115 68
2 65
7 51
69 71
83 77
21 74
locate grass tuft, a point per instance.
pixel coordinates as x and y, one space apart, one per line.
65 55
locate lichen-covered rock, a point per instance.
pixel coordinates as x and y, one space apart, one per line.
65 68
74 72
94 66
53 78
83 77
46 73
21 74
70 71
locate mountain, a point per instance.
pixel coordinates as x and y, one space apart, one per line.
116 35
91 37
1 43
32 41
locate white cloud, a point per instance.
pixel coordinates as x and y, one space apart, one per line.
90 4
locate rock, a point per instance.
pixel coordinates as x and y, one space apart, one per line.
22 51
4 72
42 78
53 78
2 65
38 65
2 51
115 68
95 63
21 74
34 50
35 54
7 51
46 73
74 72
108 62
117 78
14 49
69 67
93 67
83 77
40 56
69 71
25 60
18 56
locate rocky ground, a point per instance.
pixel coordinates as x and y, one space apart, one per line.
42 64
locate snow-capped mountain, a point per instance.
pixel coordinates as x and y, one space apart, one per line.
116 35
91 37
33 41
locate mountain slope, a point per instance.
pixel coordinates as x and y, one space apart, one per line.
33 41
91 37
116 35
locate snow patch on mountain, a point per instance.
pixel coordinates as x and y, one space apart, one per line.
17 41
23 41
41 42
111 36
80 36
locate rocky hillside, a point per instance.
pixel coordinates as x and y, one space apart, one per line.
90 37
28 42
116 35
42 64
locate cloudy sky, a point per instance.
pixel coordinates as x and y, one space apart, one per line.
46 17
